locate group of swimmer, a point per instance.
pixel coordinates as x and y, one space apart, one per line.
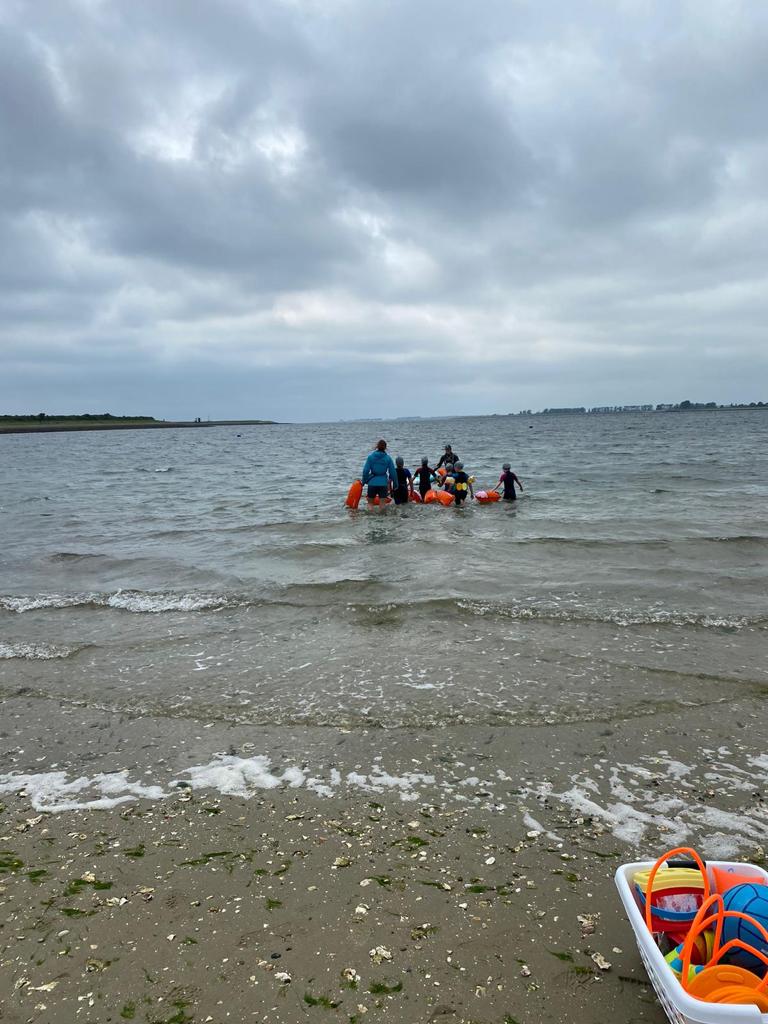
385 477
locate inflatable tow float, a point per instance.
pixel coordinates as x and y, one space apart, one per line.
432 497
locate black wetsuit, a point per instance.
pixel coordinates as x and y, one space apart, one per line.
508 478
425 475
461 486
448 459
400 493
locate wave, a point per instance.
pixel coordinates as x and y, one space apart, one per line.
617 617
349 597
122 600
34 652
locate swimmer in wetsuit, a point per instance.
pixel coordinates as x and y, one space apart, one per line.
426 475
462 484
404 483
509 479
449 457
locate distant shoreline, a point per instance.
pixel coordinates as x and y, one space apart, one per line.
55 428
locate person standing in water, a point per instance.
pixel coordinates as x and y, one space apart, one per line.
509 479
462 484
449 457
404 484
426 475
380 474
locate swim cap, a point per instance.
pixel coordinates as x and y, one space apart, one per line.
459 465
447 447
399 461
424 460
506 466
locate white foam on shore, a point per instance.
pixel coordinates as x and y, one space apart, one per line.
52 791
227 774
239 776
661 798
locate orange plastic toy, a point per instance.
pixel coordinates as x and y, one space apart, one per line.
725 879
354 494
718 982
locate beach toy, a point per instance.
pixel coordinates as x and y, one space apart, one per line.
354 494
726 878
486 497
682 997
703 946
670 898
752 901
719 982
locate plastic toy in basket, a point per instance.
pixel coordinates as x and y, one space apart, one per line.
700 955
719 982
671 897
718 991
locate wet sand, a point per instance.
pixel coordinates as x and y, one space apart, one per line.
480 898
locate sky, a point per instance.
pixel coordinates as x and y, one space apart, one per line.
327 209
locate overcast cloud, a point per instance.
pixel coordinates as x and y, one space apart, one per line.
327 209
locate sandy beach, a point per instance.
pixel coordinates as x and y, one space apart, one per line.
423 890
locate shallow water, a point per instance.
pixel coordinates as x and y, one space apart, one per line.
215 574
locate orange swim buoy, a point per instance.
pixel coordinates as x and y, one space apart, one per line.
445 498
486 497
414 496
354 494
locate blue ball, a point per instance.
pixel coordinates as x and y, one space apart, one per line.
752 899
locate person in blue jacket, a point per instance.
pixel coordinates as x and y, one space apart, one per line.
379 473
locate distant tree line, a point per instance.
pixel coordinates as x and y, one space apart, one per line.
41 417
671 407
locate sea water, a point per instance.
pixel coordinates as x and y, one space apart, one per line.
213 575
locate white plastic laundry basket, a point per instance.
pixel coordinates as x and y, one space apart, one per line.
678 1005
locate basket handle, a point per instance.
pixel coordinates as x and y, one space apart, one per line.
739 944
662 860
701 921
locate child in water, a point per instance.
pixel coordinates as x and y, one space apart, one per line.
404 483
509 479
462 484
426 475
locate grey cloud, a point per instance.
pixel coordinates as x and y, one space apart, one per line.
352 194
